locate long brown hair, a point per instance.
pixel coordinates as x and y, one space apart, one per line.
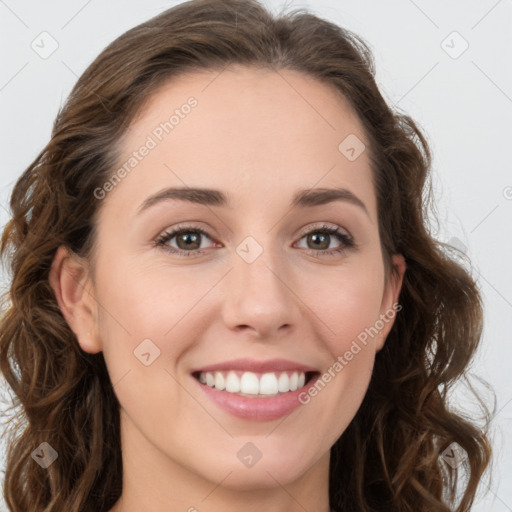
389 457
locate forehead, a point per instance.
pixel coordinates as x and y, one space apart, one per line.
249 130
297 105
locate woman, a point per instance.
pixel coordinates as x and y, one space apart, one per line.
224 292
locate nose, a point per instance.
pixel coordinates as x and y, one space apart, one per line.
260 297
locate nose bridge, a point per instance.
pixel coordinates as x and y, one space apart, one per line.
259 295
257 266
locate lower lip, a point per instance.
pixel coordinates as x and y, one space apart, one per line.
256 409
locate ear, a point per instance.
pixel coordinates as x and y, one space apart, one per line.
389 307
71 283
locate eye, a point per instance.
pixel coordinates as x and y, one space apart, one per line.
321 237
188 241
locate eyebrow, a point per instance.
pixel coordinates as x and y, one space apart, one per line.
210 197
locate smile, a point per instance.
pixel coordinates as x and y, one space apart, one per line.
255 390
252 384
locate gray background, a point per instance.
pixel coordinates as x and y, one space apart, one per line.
462 100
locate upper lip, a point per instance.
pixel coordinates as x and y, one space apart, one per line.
253 365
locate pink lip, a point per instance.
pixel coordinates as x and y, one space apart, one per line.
252 365
257 409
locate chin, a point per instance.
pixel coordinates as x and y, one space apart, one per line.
264 474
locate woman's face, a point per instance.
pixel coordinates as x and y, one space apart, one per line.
264 284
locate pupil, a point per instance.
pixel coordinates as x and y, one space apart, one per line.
186 238
316 237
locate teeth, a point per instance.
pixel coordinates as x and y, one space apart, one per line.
232 383
294 381
283 384
268 384
220 381
251 383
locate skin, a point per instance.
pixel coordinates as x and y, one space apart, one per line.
254 137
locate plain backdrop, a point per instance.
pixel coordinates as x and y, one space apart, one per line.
446 64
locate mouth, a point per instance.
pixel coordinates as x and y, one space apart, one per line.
255 390
258 385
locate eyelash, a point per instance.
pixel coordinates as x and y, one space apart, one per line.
347 241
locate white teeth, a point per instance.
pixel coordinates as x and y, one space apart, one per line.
232 383
251 383
283 384
220 382
294 381
268 384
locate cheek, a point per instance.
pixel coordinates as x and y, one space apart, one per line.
350 307
145 330
146 301
137 313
